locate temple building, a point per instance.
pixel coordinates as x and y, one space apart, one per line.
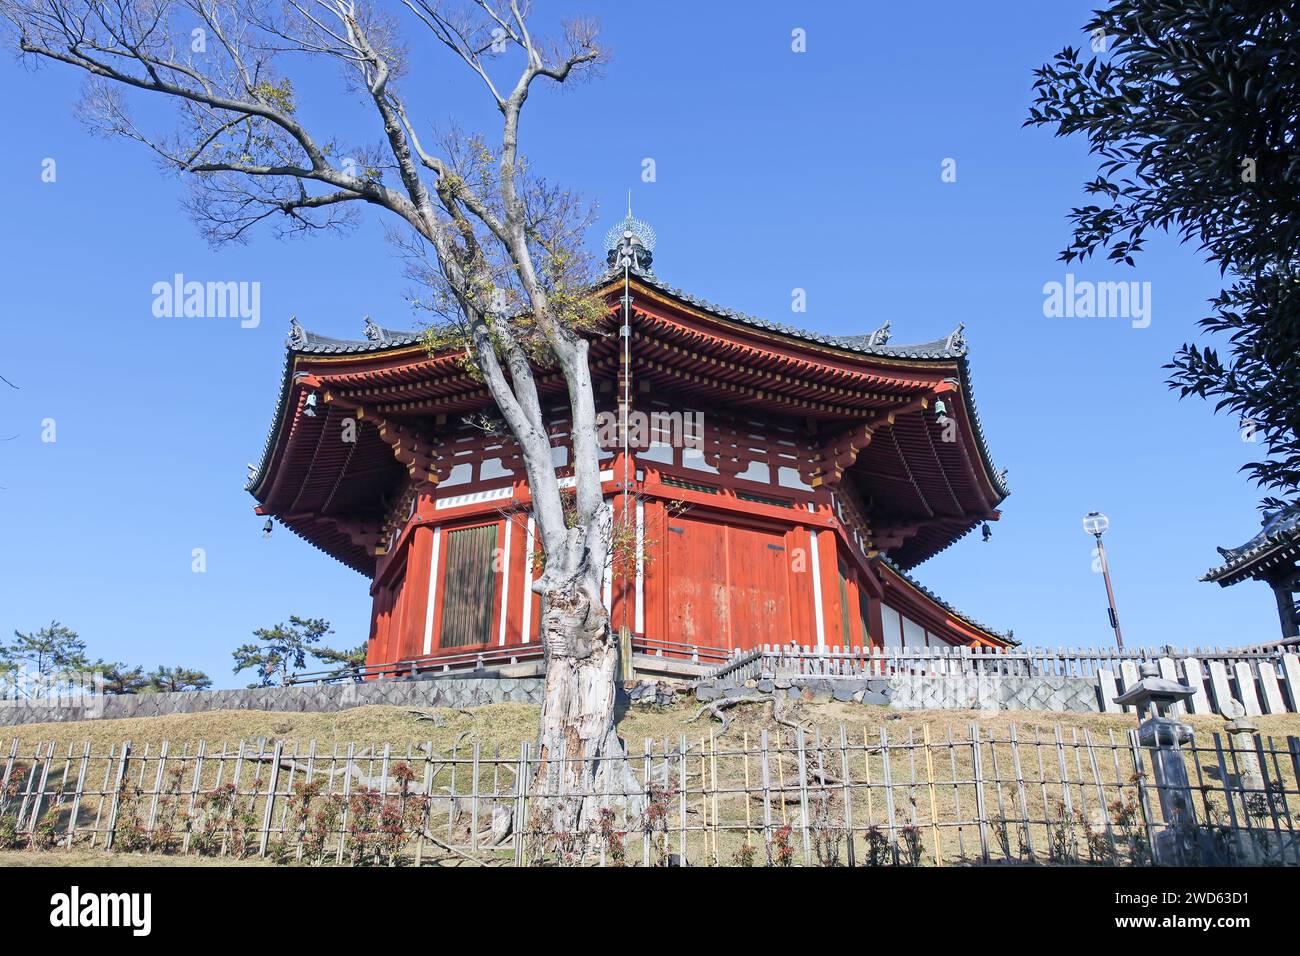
778 485
1272 556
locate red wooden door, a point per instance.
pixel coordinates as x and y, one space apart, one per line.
726 586
758 584
697 594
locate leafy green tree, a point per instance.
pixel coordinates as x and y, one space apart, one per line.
50 650
172 679
121 678
1191 110
280 650
346 660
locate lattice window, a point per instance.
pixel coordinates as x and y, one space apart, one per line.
469 588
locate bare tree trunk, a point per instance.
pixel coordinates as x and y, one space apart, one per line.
582 762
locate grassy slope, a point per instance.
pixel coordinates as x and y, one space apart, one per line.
507 725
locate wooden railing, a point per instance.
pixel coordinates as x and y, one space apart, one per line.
1263 681
1014 662
486 660
432 663
847 796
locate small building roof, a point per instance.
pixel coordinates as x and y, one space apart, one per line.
1277 542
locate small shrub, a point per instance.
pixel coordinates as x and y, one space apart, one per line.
779 851
1126 811
878 852
911 848
746 855
8 832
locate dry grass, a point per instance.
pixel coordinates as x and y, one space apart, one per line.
936 794
79 857
506 725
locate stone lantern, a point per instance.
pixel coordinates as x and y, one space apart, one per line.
1154 697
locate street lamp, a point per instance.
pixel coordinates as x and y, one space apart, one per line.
1095 523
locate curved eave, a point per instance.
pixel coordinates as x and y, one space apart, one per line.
335 544
1255 562
320 348
921 549
995 638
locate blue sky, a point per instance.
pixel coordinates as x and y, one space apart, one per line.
774 171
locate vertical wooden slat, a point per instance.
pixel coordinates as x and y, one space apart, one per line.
39 792
1065 773
1101 795
713 787
929 780
451 801
117 790
309 777
76 797
29 782
195 785
473 786
681 801
780 778
978 766
288 794
428 806
158 785
745 760
1020 790
956 795
767 791
9 764
274 783
347 802
103 793
846 791
522 776
803 793
1144 799
885 768
646 773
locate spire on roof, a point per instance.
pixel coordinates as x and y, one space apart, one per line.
632 239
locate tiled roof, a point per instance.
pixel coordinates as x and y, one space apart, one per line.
1280 532
378 339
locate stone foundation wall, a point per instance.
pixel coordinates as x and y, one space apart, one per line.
1061 694
902 692
306 698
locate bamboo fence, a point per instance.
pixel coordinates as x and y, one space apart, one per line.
782 797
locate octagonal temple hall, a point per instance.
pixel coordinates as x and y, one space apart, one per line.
782 484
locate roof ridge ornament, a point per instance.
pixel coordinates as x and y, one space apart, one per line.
374 333
297 337
880 336
956 340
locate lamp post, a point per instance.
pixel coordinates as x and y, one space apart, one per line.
1096 523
